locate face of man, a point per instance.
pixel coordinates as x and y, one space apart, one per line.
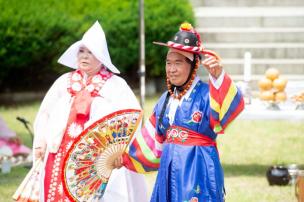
87 62
177 68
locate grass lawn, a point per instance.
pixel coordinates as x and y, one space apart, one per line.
247 150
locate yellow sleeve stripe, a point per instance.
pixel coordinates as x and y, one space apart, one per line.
139 168
214 105
228 100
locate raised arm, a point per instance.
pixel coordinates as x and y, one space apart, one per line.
226 100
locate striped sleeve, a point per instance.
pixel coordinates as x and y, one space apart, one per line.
225 103
144 152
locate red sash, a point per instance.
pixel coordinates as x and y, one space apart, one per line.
184 136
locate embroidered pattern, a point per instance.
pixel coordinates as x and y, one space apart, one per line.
196 117
78 83
177 133
60 188
68 146
74 130
193 199
197 190
55 185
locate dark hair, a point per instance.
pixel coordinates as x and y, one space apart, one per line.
188 61
193 63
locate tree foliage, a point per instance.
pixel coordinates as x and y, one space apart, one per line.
34 33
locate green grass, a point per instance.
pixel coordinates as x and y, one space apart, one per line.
247 150
9 182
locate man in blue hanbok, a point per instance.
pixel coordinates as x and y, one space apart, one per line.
179 139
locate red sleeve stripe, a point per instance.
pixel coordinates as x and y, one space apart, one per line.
139 155
219 94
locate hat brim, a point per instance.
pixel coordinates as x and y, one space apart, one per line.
179 47
187 49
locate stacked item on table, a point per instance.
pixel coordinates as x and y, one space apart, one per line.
272 88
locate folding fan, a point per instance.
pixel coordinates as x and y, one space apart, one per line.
28 191
89 161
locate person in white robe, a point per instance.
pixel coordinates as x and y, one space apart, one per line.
75 101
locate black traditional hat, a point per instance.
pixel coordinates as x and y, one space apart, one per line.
188 40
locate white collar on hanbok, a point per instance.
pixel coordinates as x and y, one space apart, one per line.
174 103
95 40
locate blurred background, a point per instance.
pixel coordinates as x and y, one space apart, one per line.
34 33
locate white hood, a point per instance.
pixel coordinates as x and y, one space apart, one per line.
94 39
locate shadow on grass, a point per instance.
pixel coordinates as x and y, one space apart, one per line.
231 170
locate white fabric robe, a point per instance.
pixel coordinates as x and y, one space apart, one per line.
51 120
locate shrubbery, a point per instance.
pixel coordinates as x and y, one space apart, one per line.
34 33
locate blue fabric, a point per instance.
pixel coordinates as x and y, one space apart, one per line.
187 172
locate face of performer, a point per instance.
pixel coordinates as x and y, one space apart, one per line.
177 68
87 62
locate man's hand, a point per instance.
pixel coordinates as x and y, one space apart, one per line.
118 162
212 65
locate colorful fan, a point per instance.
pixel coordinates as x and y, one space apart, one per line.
89 161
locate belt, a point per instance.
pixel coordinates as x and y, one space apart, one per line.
184 136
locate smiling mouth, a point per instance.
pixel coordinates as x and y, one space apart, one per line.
173 77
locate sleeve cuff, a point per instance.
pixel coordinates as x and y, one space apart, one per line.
217 82
126 162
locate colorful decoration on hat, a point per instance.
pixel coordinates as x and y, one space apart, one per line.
186 26
188 39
